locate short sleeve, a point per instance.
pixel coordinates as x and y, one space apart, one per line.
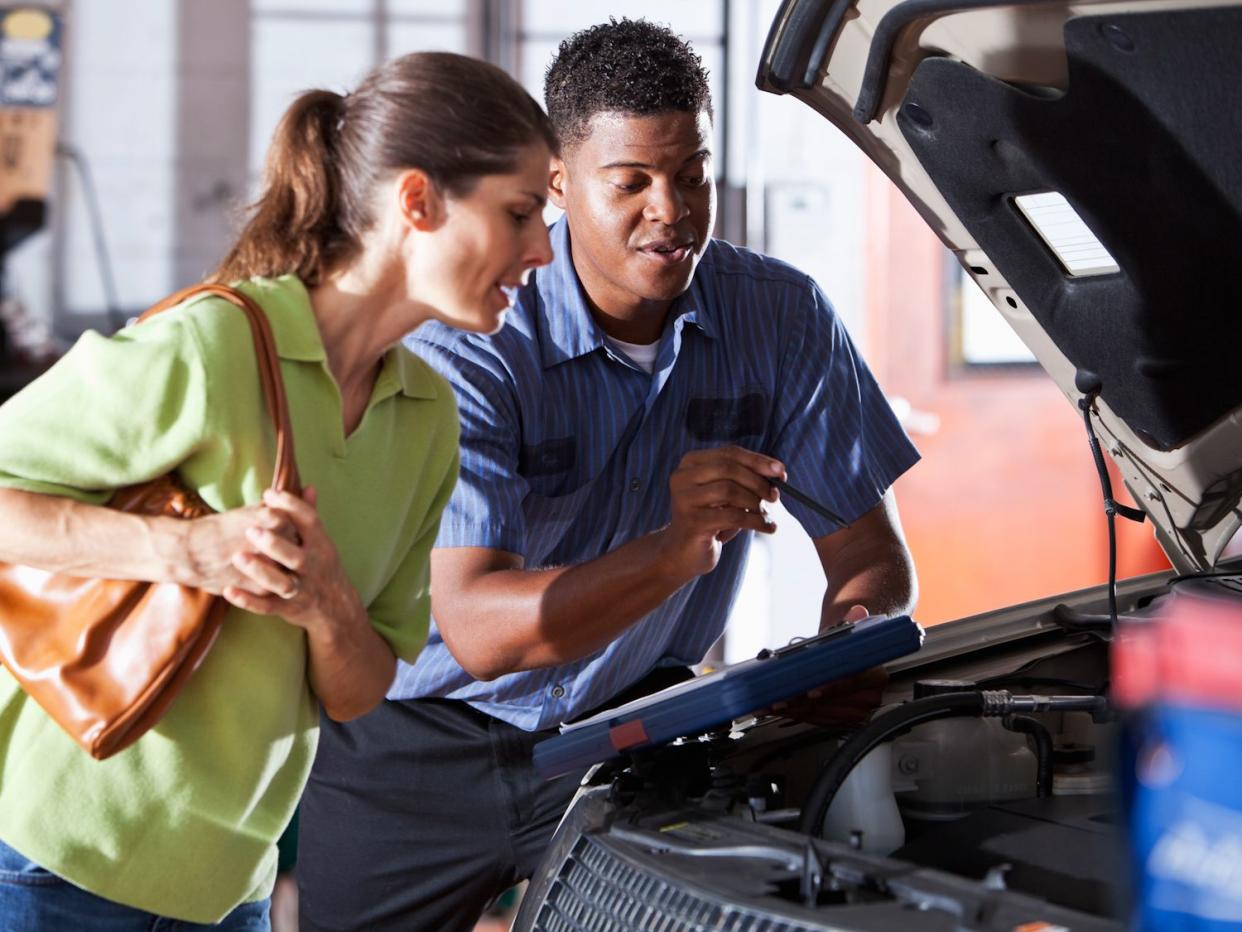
833 428
401 613
114 411
486 507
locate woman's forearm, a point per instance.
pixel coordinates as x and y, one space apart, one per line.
60 535
351 666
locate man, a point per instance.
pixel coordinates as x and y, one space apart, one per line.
619 438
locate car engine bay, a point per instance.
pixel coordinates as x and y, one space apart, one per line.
984 794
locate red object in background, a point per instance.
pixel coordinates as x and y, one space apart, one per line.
1187 654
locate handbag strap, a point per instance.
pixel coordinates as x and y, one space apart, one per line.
285 478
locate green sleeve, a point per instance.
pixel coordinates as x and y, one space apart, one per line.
401 613
112 412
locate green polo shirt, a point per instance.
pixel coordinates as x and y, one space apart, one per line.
184 823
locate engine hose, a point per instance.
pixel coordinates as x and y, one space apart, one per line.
888 725
1043 749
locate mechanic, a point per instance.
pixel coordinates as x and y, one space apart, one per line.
619 438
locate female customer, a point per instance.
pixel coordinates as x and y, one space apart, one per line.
415 197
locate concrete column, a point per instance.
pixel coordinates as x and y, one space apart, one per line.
211 145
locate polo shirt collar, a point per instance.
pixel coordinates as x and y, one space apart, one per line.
288 307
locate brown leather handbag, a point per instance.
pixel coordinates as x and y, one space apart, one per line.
105 658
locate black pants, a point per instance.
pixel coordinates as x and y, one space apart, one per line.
422 812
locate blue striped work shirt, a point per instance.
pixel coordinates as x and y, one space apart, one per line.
567 448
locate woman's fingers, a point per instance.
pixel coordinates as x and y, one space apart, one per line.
267 575
259 605
300 511
279 549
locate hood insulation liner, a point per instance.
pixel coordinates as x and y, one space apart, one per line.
1146 145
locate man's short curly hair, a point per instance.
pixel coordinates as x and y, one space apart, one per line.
622 66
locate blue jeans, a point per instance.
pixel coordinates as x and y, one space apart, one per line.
36 900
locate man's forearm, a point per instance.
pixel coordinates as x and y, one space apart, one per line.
880 578
521 619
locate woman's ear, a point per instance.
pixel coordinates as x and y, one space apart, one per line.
419 201
556 182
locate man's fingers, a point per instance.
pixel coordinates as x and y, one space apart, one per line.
734 462
857 613
710 473
720 494
756 463
720 520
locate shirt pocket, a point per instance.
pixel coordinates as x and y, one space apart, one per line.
733 418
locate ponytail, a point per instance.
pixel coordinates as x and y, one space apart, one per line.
453 117
294 226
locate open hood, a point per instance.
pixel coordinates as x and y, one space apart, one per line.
1083 161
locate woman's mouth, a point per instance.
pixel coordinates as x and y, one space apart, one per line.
505 293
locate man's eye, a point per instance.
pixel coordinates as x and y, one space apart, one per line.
520 218
694 181
628 187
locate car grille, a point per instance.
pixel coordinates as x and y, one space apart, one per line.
597 891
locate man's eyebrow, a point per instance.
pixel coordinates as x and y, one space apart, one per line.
540 199
702 153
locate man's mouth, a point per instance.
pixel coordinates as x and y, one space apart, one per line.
668 252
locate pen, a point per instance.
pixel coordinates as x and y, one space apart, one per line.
797 496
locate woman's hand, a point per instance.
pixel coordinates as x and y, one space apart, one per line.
298 575
300 579
211 543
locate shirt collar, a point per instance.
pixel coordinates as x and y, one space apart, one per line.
693 307
567 329
287 304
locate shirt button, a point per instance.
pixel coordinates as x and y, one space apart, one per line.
557 691
635 485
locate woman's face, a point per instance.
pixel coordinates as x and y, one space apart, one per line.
467 268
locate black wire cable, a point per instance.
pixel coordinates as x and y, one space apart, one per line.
1089 384
888 725
1043 749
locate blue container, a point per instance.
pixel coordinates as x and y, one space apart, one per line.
1183 781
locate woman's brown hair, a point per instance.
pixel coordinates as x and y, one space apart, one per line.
454 117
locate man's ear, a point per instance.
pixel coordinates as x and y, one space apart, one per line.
556 182
419 200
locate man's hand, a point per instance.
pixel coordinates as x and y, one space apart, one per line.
716 493
841 703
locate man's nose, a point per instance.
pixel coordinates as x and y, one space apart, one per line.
665 204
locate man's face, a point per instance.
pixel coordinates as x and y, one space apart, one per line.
640 200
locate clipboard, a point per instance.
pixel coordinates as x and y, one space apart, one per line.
708 702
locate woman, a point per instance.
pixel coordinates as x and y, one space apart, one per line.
415 197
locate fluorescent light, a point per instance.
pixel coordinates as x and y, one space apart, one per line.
1059 225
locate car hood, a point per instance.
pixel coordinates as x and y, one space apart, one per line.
1082 161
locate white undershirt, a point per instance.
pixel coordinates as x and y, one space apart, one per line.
642 355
